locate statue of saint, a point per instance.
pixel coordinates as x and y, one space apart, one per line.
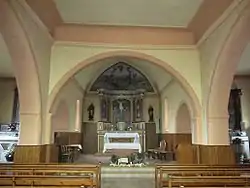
91 111
121 109
151 114
138 110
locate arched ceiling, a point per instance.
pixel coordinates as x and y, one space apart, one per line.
157 76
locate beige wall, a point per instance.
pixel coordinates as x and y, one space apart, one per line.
175 96
7 93
67 100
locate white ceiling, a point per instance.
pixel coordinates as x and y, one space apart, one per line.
244 65
158 77
6 69
160 13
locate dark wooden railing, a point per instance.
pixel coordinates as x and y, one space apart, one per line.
50 175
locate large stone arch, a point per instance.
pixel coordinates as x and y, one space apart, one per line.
25 71
120 53
226 65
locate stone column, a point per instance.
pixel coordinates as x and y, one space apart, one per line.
48 137
30 129
218 131
30 148
198 136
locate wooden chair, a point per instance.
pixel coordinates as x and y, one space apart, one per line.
66 154
160 152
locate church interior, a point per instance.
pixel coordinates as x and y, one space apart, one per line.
105 94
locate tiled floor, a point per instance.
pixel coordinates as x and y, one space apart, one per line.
127 183
134 177
117 177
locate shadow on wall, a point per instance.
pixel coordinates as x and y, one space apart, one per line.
183 120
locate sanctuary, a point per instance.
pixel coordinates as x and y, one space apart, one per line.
116 120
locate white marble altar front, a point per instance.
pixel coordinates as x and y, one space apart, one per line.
134 145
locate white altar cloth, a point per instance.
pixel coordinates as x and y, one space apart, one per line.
121 145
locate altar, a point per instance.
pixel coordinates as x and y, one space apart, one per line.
122 141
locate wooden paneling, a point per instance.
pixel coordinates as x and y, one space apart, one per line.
205 154
67 138
185 154
30 154
174 139
35 154
52 152
216 155
89 134
151 136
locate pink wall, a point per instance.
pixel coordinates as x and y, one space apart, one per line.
60 120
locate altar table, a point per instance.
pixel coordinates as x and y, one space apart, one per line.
134 145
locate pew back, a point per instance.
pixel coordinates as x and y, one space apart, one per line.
50 175
182 173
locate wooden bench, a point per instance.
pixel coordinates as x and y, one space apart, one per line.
163 172
206 181
50 175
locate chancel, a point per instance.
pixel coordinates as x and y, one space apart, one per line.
122 126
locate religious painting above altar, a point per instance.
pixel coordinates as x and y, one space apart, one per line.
122 76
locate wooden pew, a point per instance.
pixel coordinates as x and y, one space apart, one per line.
50 175
206 181
163 172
